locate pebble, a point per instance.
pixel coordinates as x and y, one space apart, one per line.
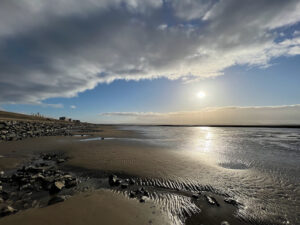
225 223
144 199
211 200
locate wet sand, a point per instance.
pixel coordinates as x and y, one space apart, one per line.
99 207
126 157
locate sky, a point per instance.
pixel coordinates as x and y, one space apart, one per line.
145 61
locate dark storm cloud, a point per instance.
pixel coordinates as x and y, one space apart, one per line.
60 48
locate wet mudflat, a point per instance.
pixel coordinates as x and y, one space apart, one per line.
153 184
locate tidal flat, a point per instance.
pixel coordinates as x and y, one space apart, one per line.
142 175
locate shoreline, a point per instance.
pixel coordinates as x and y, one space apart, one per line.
174 200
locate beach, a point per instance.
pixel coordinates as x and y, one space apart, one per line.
123 177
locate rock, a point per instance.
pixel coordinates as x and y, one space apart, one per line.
69 183
11 137
144 199
146 193
60 160
1 200
1 189
4 195
231 201
131 181
56 199
33 169
34 204
124 185
211 200
56 187
114 180
195 196
131 194
7 210
1 173
26 187
225 223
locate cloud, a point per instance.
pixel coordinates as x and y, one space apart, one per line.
58 106
73 106
252 115
60 48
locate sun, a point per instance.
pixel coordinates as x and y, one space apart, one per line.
201 94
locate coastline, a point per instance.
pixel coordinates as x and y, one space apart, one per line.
98 159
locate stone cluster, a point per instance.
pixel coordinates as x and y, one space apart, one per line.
139 193
18 130
23 188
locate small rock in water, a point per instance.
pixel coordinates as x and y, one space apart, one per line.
143 199
195 196
211 200
131 194
225 223
56 199
114 180
131 181
231 201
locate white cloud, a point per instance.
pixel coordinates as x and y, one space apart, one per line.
252 115
58 106
60 48
73 106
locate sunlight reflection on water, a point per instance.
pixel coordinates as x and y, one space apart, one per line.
259 166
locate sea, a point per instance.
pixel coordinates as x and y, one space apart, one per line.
260 167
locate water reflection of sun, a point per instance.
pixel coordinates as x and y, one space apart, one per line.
203 139
207 142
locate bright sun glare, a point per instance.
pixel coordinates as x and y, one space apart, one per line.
201 94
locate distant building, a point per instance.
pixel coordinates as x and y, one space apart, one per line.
76 121
64 118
